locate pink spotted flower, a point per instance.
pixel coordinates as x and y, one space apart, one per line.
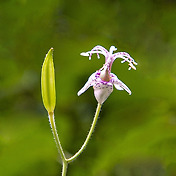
103 80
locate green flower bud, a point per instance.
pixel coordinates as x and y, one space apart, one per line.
48 82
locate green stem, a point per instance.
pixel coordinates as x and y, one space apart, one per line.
64 168
58 144
88 136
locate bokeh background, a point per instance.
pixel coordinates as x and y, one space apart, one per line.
135 135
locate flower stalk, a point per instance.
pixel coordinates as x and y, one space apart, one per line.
58 143
89 134
56 137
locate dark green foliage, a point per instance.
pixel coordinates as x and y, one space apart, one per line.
135 135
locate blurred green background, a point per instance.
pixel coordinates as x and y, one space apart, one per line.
135 135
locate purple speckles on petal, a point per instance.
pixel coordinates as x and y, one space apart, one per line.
102 92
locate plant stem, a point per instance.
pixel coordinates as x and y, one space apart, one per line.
88 136
58 144
64 168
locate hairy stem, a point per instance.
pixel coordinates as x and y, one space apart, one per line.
88 136
58 144
64 168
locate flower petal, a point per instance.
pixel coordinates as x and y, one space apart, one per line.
119 85
89 83
102 90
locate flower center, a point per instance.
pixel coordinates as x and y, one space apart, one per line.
104 75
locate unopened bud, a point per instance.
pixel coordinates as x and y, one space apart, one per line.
48 82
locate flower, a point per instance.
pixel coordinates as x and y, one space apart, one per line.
103 80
